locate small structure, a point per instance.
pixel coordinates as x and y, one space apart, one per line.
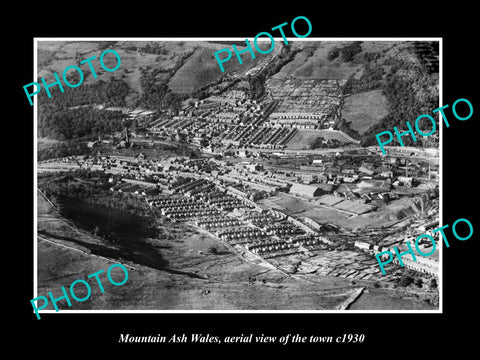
406 181
305 190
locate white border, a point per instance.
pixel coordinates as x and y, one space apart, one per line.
74 39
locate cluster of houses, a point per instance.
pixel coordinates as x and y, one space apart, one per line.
221 200
182 208
343 182
333 180
359 178
269 234
231 119
210 223
216 120
262 137
241 235
426 265
283 247
263 219
220 196
259 231
284 228
273 248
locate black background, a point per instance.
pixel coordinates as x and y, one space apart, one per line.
385 334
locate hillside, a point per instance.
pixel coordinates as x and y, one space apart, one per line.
386 83
312 63
402 208
365 109
201 69
185 66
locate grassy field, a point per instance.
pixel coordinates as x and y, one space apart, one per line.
294 206
199 69
129 70
365 109
376 299
202 68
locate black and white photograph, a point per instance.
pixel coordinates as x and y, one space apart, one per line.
259 188
283 181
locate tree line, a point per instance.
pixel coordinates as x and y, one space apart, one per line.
63 149
404 101
409 89
84 197
110 93
346 53
61 123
